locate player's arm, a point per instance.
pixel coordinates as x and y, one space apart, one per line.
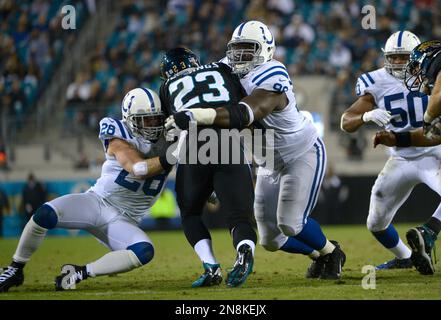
434 107
414 138
132 161
254 107
362 111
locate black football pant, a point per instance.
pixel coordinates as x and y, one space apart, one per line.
234 188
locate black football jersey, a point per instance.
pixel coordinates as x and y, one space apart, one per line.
208 86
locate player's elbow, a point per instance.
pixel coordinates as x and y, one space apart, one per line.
344 124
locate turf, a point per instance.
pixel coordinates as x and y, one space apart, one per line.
276 275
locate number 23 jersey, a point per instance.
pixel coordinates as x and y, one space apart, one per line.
117 187
208 86
407 108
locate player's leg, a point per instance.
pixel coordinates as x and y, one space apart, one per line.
193 187
391 189
131 249
234 187
265 212
74 208
300 183
422 238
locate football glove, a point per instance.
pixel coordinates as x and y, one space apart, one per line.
378 116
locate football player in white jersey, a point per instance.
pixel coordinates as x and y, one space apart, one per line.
111 209
385 100
286 194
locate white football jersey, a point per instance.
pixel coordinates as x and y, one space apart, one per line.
294 134
406 107
119 188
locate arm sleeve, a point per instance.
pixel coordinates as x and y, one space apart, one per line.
365 84
274 77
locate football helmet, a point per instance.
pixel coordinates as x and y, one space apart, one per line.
141 110
399 43
251 44
176 60
420 59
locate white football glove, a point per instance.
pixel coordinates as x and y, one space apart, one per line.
378 116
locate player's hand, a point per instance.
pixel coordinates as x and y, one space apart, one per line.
432 130
386 138
180 120
378 116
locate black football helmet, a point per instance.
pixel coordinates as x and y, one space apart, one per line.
421 57
176 60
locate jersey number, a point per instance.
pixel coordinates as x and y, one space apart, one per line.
186 85
107 129
150 187
402 112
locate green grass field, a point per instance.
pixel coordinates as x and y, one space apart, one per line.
277 275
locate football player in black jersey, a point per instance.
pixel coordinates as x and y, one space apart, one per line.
191 85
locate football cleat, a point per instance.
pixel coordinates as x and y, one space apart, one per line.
334 263
396 264
242 267
10 277
422 242
69 277
316 268
211 277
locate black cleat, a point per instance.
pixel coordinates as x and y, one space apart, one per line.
69 277
422 242
10 277
334 263
396 264
317 265
242 267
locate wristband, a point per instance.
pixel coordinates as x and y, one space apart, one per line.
164 163
402 139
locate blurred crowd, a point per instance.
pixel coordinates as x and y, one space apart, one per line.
312 37
31 46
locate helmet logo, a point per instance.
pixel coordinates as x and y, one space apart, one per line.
130 104
264 38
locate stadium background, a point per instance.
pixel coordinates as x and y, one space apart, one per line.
56 84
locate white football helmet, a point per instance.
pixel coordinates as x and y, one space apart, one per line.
251 45
402 43
141 110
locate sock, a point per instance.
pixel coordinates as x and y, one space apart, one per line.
205 252
30 241
327 248
390 239
248 242
292 245
113 262
401 251
312 235
314 255
433 224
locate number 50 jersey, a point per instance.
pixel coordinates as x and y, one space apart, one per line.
407 108
208 86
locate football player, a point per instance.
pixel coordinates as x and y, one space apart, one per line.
385 100
189 85
111 209
287 193
423 73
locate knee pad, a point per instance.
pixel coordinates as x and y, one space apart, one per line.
269 245
290 231
46 217
375 225
144 251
